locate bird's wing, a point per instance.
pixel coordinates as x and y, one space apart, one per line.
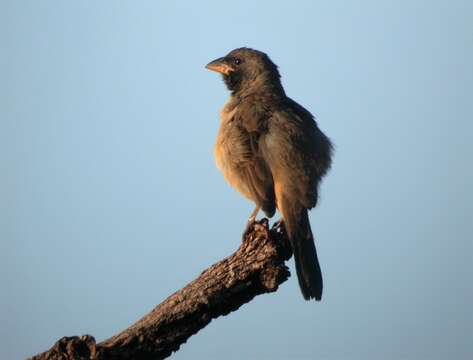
297 153
254 171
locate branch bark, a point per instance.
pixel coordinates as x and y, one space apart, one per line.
257 267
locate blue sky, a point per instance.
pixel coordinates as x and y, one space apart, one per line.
111 200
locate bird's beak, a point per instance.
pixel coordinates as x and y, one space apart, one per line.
220 65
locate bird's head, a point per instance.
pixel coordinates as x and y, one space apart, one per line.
246 71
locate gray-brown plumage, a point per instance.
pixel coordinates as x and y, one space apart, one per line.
271 150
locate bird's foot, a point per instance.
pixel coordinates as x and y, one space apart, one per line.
279 229
278 225
278 233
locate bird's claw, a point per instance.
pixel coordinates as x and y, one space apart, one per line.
278 226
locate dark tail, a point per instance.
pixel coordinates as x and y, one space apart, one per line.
305 256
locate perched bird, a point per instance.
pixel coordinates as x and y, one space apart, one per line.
271 150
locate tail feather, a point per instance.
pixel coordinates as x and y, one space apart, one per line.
305 256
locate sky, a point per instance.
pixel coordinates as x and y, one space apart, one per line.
111 201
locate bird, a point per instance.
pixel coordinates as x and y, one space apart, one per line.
272 151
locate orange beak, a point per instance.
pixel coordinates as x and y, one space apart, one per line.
220 65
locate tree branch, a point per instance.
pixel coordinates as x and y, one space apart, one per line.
257 267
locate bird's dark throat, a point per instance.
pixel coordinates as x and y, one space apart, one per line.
233 81
265 82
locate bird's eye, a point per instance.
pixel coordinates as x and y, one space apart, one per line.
237 61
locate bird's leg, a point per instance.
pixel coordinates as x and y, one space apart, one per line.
252 218
251 222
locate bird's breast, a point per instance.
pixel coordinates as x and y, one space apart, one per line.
223 144
230 150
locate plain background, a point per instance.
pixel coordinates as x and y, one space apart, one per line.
110 199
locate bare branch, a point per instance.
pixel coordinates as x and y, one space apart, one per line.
257 267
